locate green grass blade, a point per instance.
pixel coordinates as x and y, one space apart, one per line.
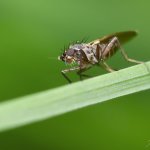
43 105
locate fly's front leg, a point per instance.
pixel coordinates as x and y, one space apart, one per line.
116 41
69 70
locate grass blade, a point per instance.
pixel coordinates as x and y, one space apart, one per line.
43 105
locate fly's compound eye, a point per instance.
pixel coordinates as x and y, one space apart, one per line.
70 52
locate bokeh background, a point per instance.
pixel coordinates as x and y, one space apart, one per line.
32 34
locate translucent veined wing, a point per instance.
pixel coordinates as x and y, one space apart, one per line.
122 36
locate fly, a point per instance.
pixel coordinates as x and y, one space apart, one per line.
82 56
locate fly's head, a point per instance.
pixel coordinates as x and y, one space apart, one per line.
73 55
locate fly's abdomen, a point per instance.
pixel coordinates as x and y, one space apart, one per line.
108 50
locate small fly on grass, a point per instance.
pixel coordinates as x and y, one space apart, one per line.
81 56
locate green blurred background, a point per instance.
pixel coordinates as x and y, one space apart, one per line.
32 32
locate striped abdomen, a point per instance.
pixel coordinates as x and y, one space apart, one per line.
105 51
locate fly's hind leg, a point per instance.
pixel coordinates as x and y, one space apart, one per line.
116 41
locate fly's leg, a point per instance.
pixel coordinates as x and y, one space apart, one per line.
109 48
83 75
82 68
117 43
107 67
63 72
65 76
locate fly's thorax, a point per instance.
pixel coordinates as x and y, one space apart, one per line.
86 53
90 52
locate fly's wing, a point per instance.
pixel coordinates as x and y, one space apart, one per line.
122 36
